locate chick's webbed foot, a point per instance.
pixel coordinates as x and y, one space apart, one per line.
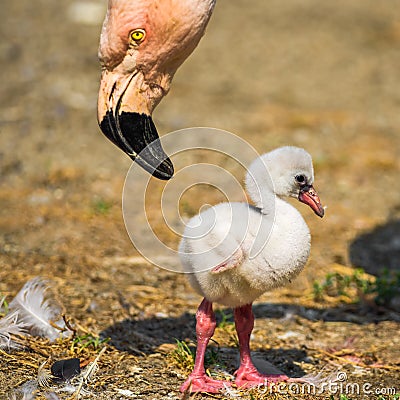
203 383
247 377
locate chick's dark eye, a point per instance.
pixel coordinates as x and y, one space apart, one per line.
300 179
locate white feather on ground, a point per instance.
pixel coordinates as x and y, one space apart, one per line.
9 325
27 391
44 376
38 311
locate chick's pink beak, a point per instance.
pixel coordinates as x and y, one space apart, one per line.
309 196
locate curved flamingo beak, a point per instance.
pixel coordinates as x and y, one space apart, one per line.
124 117
309 196
142 44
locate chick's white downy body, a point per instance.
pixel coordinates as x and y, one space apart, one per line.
270 249
234 252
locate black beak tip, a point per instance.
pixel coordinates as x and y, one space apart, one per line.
163 171
136 135
167 170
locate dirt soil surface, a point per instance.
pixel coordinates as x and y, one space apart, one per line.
321 75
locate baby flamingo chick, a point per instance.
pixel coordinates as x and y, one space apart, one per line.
234 252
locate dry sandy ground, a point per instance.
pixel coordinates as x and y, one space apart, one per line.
321 75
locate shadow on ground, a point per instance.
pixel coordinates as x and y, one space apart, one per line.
148 334
379 249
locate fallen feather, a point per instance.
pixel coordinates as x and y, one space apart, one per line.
38 311
9 325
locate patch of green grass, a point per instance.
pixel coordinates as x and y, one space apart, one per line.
357 286
212 357
79 343
387 286
101 206
227 324
225 318
183 355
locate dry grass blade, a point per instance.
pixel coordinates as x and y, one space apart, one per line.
88 374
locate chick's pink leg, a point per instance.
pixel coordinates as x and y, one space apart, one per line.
247 375
198 381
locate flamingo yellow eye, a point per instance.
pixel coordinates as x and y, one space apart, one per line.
137 36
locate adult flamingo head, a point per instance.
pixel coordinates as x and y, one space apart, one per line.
142 44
